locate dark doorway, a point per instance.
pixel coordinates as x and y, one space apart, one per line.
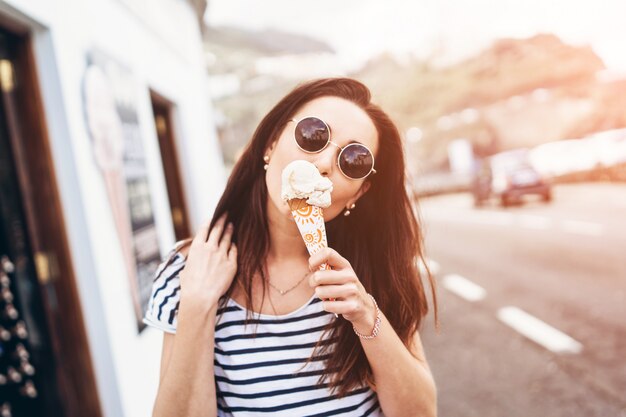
162 109
45 365
27 371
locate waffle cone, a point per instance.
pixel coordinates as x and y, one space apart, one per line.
297 204
310 222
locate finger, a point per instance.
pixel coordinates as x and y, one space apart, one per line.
226 237
329 277
216 231
340 306
232 252
203 233
336 291
330 256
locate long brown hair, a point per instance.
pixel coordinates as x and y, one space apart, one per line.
381 238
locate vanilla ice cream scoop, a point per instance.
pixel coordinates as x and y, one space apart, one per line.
302 180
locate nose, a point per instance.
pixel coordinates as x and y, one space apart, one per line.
325 161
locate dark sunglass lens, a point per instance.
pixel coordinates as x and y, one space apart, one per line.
356 161
312 134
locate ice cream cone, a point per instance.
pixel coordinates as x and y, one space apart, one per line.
310 222
307 192
296 204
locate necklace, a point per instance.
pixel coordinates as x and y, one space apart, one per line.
286 291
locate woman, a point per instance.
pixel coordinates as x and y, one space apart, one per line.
300 358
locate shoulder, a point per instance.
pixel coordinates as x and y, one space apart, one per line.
170 265
182 247
174 259
165 293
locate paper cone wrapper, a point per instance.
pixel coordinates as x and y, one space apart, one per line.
310 222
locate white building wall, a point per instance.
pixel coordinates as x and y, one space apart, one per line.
159 41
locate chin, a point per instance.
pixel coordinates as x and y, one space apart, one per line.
328 217
329 214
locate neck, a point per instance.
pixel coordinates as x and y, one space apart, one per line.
286 243
288 259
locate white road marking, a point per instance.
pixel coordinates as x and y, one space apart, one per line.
582 228
432 265
535 222
463 287
538 331
477 217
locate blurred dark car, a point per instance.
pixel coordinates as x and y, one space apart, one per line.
508 176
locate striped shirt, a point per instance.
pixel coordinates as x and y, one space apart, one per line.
263 375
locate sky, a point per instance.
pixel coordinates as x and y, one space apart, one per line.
447 30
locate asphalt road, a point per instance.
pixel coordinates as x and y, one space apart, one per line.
532 304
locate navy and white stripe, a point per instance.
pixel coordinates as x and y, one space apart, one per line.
264 375
164 300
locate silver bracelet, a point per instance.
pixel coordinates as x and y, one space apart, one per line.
376 323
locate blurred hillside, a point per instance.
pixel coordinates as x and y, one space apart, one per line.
518 92
236 48
242 90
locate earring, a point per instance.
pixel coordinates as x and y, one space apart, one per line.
266 158
347 212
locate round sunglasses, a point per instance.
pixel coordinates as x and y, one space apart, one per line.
312 135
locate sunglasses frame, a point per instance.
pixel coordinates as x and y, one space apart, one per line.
296 121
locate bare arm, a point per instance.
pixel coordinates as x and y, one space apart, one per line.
187 385
404 383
